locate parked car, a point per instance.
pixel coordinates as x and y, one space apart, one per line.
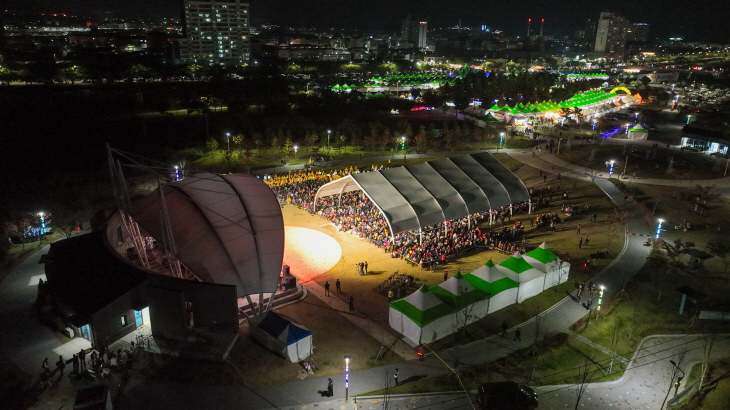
506 396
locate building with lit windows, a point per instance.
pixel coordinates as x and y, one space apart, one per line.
611 34
414 32
217 32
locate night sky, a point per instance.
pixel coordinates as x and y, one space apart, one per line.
694 20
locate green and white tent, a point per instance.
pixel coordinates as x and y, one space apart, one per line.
542 258
501 290
421 317
471 303
530 279
638 132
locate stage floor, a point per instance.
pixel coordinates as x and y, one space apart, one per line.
309 253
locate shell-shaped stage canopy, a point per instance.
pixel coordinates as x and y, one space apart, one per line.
228 229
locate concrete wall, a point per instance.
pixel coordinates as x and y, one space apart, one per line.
106 324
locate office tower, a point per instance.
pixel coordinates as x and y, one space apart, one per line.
611 33
414 32
638 33
217 32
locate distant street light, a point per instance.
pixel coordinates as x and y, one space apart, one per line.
228 139
610 168
296 148
328 140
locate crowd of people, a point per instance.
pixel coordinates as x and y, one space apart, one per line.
355 213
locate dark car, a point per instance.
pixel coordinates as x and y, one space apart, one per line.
506 396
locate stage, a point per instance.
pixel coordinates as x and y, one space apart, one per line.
309 253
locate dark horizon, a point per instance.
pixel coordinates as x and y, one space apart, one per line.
694 21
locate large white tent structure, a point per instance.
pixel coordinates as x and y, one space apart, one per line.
421 317
282 335
542 258
470 302
638 132
228 229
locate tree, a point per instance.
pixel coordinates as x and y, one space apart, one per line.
211 144
578 114
286 147
721 249
275 145
616 218
72 74
585 379
311 139
677 249
237 139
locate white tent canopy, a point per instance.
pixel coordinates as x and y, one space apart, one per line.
282 335
422 317
501 289
530 279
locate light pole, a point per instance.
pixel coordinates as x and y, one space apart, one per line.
610 168
43 222
600 299
659 228
328 140
347 377
679 378
295 151
228 140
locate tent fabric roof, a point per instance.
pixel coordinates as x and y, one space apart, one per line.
424 194
275 324
422 307
542 254
489 279
228 229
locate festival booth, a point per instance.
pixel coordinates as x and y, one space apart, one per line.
530 280
422 317
638 132
543 259
466 299
501 290
282 335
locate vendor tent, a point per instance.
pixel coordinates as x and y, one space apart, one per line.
471 303
530 279
502 291
638 132
422 317
282 335
543 259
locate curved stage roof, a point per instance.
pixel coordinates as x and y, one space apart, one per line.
228 229
415 196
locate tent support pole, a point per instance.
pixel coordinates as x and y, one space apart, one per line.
491 217
468 221
510 211
529 207
420 236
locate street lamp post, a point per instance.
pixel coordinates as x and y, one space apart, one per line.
659 228
600 299
347 377
228 140
296 148
679 378
328 140
610 168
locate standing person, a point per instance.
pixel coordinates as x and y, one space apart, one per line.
366 267
577 230
337 285
505 326
45 367
82 359
60 365
588 238
517 336
446 275
327 288
419 352
75 363
330 388
580 243
395 376
351 304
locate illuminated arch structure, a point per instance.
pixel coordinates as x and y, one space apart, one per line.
624 89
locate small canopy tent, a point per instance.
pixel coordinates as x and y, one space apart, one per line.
502 290
530 279
458 293
543 259
638 132
421 317
282 335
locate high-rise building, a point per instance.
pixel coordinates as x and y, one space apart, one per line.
217 32
638 33
611 33
414 32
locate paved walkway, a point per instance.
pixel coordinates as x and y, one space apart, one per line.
370 327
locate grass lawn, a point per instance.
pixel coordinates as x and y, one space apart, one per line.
687 165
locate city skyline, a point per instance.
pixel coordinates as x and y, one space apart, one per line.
695 21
